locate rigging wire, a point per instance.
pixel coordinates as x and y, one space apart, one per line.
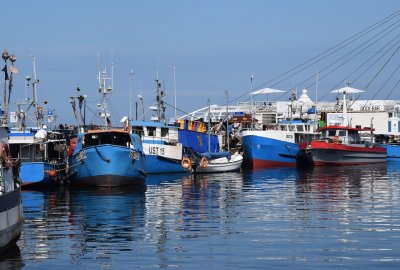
360 66
377 37
394 87
326 53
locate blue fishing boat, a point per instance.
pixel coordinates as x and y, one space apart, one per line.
161 146
43 156
42 152
390 140
276 145
391 144
105 156
160 141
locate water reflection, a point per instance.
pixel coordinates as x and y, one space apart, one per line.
105 221
191 207
11 259
283 218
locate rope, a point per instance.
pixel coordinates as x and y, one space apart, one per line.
102 157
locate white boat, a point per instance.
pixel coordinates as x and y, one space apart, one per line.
223 164
222 161
11 214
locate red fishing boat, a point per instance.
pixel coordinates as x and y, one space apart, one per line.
340 145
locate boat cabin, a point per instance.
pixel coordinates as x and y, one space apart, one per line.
25 146
155 132
343 135
96 137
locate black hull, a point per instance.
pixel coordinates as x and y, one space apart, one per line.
304 159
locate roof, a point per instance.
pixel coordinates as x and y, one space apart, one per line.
120 130
344 128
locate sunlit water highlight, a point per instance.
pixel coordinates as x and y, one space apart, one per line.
267 219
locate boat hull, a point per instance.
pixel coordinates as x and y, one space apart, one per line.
264 150
393 151
163 158
222 165
158 164
11 218
42 174
107 166
323 153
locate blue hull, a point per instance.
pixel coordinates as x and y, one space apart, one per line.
393 151
157 164
260 152
41 174
107 165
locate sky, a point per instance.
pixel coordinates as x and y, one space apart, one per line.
215 46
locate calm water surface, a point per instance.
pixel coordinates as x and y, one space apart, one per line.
269 219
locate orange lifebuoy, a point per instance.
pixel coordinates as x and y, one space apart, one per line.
336 139
203 162
51 173
186 163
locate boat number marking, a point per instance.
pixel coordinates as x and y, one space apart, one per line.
155 150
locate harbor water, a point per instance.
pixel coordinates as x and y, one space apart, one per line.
324 218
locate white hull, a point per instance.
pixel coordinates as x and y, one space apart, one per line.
222 165
11 218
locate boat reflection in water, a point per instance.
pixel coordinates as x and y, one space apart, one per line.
282 218
11 259
106 221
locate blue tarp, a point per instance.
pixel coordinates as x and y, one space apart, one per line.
211 156
198 141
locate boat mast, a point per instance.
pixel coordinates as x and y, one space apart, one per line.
160 102
131 73
227 121
209 126
345 120
102 107
174 92
38 109
316 100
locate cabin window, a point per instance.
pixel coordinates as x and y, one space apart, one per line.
354 136
138 130
283 128
342 133
151 131
291 128
164 132
114 138
331 133
300 128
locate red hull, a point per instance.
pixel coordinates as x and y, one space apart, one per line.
262 164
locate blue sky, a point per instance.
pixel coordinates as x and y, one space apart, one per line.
214 45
